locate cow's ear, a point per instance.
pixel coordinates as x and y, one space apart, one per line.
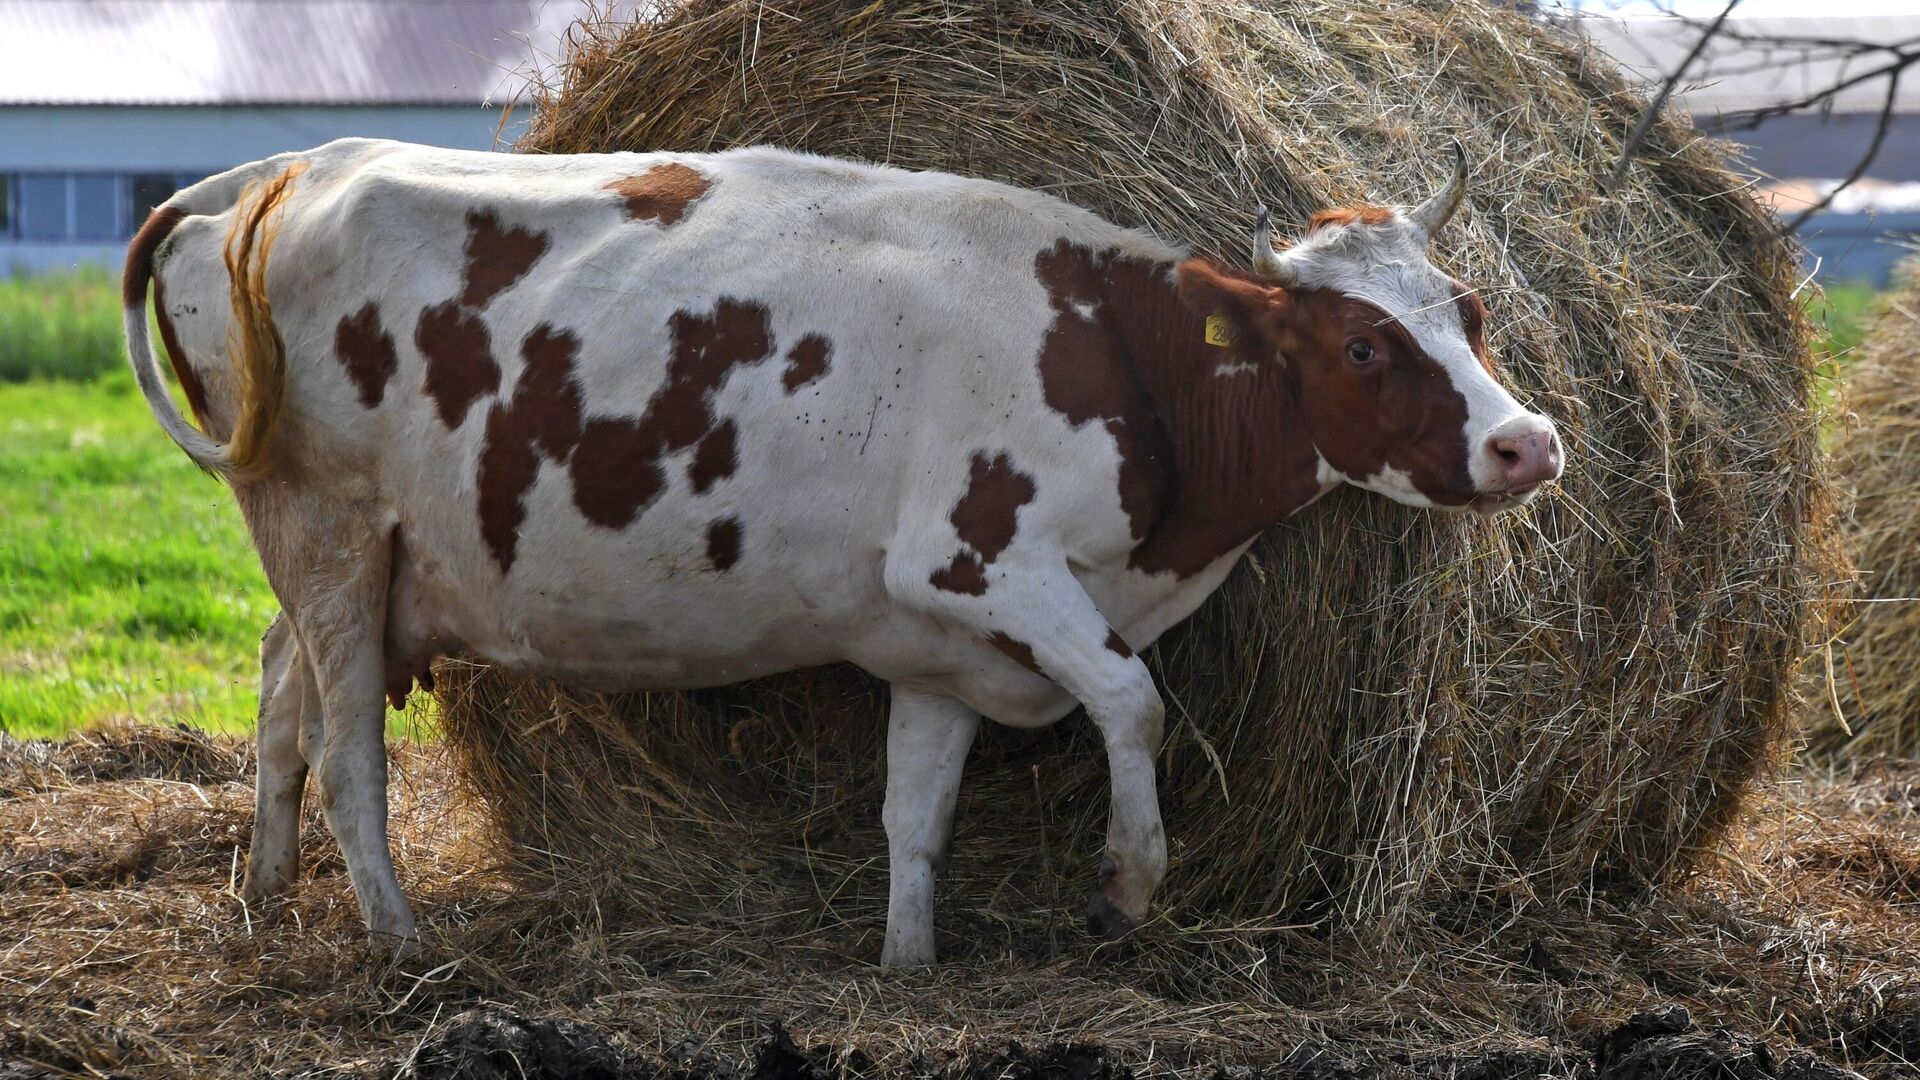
1252 306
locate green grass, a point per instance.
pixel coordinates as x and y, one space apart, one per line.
1842 314
60 326
1841 317
128 585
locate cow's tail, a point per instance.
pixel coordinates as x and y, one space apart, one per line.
253 342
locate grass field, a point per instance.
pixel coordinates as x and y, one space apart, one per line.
60 327
131 587
1841 316
128 587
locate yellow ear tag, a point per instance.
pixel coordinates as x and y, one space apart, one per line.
1219 330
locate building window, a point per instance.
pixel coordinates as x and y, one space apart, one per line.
43 207
96 208
146 191
82 207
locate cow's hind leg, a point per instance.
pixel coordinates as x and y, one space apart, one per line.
340 620
928 736
280 777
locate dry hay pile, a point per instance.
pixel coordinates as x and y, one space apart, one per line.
124 952
1382 706
1876 685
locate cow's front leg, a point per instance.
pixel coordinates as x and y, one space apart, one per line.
1033 610
928 736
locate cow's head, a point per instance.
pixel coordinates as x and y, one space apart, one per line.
1389 356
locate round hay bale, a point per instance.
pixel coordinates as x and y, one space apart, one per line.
1875 680
1382 704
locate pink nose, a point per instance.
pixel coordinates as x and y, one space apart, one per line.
1530 458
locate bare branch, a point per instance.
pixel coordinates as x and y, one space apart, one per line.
1640 129
1748 119
1752 50
1860 167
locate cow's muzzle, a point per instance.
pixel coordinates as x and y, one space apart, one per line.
1527 459
1526 454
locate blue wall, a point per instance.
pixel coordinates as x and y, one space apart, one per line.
1860 247
198 141
183 138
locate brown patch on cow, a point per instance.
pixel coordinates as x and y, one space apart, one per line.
133 293
723 543
459 354
1118 645
1347 215
1206 460
139 269
1359 420
1088 377
965 575
806 362
1473 319
497 256
508 466
1018 651
987 515
985 518
714 459
662 193
616 470
365 349
542 419
452 336
546 400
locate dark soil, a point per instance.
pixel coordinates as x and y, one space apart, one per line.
494 1043
489 1043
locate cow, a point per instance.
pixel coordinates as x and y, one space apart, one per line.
665 421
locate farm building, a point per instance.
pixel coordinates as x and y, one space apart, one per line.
106 108
1753 63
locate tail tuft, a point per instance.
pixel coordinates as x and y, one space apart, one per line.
257 353
253 341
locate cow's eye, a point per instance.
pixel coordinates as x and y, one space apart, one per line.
1359 351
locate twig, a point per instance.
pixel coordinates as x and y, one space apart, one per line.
1859 167
1659 101
1046 860
1748 119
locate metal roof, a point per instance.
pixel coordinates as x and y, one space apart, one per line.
1735 74
273 52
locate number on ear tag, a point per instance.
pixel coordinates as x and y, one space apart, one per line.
1219 330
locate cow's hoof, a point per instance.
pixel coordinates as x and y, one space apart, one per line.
263 910
391 950
400 942
1105 920
905 959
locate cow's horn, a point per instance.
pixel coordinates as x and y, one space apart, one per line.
1265 262
1431 215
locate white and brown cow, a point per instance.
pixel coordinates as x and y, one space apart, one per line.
676 420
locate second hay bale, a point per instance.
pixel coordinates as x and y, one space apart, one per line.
1381 704
1875 680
